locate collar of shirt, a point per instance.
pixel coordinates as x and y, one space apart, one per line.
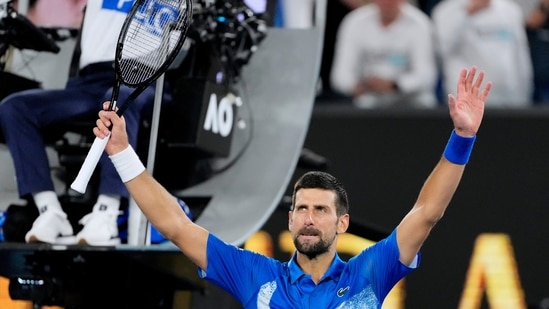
334 271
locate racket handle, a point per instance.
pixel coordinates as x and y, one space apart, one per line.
86 171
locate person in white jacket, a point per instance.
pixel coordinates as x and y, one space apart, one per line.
384 56
492 35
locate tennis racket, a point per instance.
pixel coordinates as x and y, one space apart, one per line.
150 39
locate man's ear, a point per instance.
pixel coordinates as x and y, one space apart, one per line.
343 223
290 220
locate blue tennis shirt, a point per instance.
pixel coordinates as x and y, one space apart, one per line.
258 281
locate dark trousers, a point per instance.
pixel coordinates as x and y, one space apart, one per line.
25 115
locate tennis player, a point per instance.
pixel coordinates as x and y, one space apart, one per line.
315 276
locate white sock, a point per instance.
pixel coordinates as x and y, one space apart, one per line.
47 200
107 202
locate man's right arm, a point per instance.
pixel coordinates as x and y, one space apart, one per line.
164 212
158 205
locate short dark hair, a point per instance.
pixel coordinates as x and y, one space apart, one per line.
323 180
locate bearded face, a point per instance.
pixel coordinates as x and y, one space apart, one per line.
312 242
314 222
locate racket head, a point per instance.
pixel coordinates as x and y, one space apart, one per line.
150 39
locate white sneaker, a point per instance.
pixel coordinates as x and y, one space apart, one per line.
53 227
100 229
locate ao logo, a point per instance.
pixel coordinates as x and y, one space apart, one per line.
220 117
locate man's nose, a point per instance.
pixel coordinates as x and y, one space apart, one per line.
309 218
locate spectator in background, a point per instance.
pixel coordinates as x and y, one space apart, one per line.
338 10
300 14
537 30
384 56
490 34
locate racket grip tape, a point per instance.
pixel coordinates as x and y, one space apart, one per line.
86 170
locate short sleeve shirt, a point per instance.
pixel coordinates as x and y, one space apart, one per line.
258 281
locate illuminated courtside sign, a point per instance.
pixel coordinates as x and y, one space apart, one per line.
493 270
217 118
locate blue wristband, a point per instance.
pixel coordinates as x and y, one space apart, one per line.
459 148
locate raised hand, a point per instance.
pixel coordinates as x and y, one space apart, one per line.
467 108
118 137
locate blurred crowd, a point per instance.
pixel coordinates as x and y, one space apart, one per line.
390 53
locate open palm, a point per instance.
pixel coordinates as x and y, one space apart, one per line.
467 108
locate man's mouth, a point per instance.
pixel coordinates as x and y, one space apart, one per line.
308 234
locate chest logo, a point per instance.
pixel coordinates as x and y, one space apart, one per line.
342 291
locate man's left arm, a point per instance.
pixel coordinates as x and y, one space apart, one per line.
466 111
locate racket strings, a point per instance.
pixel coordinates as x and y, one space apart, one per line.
154 33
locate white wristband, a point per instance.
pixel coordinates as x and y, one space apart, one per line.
127 164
